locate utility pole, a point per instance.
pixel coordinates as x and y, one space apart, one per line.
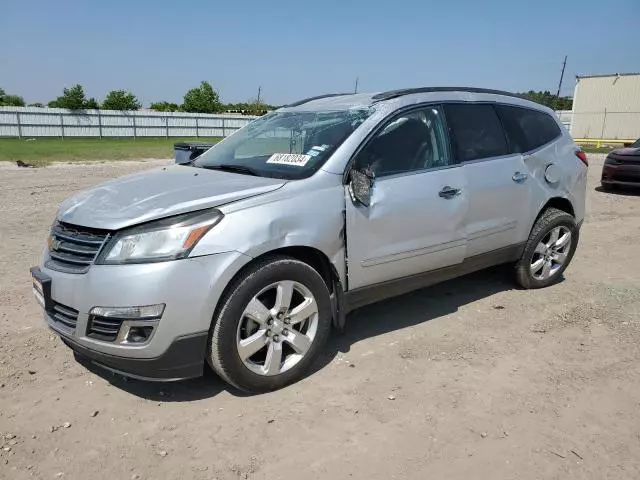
259 91
564 64
355 89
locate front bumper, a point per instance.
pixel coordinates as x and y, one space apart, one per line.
190 289
183 359
626 174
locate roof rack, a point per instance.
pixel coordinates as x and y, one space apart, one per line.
310 99
408 91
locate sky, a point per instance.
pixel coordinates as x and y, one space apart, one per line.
159 49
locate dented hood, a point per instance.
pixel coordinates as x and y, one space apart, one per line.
159 193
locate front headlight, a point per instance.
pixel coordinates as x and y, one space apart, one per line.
160 240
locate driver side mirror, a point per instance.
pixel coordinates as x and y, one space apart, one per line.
360 186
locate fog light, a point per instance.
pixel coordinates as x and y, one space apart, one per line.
133 313
138 334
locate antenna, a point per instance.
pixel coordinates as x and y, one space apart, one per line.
355 89
564 64
259 90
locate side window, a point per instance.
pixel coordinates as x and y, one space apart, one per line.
476 131
412 141
528 129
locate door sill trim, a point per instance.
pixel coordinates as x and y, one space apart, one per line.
362 296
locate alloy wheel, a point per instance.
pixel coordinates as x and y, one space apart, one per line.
551 253
277 328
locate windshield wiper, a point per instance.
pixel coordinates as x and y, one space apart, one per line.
227 167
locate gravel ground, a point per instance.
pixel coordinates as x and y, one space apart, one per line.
468 379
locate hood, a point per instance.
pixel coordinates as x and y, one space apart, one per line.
627 151
629 154
159 193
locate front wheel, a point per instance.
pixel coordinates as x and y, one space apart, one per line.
271 325
549 250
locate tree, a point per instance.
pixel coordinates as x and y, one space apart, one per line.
14 101
252 107
202 99
10 100
548 99
74 99
92 104
564 103
165 107
120 100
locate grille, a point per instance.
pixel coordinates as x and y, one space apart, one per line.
73 249
104 328
64 316
615 159
631 162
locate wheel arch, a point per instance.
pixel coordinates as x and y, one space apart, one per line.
313 257
561 203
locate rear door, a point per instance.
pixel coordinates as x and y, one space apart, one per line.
497 178
533 135
414 222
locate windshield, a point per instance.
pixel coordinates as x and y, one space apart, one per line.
636 144
288 145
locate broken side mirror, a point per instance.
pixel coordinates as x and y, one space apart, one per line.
360 186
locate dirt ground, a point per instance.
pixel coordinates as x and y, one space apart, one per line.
468 379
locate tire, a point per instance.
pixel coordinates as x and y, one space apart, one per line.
230 327
608 187
548 223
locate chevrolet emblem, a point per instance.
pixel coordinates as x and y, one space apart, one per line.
53 243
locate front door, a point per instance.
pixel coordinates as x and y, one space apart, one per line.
415 220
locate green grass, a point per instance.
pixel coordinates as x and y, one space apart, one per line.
46 150
594 149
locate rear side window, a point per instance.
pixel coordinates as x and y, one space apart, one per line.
476 131
528 129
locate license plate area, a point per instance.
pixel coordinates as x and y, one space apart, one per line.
41 287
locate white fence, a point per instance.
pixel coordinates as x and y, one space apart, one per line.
27 122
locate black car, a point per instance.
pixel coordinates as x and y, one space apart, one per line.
622 167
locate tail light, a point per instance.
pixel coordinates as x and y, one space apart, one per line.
583 157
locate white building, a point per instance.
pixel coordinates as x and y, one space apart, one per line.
607 107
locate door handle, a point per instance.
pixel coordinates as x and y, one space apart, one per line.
519 177
449 192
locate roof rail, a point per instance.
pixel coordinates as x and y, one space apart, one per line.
408 91
310 99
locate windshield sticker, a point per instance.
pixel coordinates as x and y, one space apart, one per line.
322 148
313 153
293 159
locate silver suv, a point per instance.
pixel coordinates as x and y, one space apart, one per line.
247 256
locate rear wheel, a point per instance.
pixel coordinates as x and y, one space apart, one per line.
271 325
549 249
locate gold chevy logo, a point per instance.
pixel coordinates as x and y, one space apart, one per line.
53 243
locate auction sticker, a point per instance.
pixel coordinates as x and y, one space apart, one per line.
293 159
